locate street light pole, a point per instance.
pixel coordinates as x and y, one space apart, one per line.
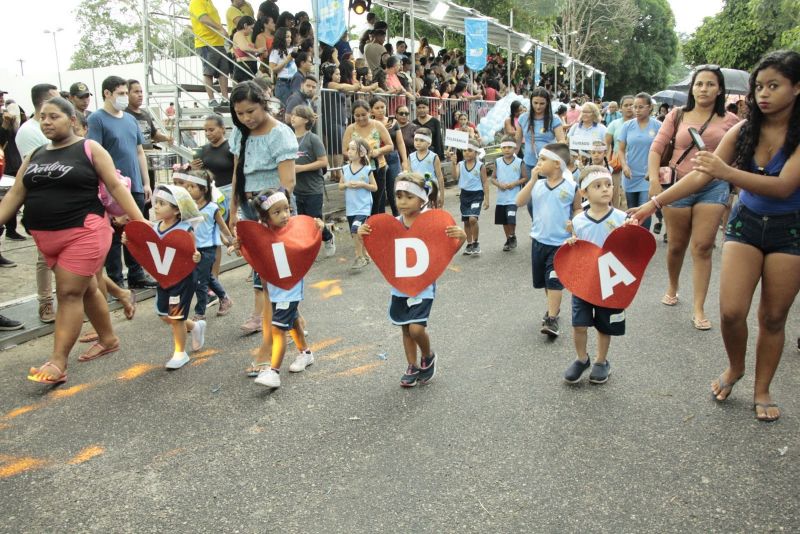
55 49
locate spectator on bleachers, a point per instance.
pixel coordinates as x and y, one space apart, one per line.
374 50
209 42
268 9
305 68
407 128
302 97
263 35
397 159
237 10
334 112
244 51
281 62
433 124
286 20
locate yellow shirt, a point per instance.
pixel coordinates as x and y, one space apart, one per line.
203 35
235 12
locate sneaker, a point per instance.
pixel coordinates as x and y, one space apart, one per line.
46 312
427 369
468 250
142 283
270 378
5 262
224 102
252 325
178 360
544 318
198 335
513 242
476 248
551 327
575 371
657 228
225 306
600 373
213 103
330 247
197 317
410 377
507 245
9 324
14 236
360 262
303 360
213 300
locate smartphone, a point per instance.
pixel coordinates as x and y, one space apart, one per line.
197 153
697 140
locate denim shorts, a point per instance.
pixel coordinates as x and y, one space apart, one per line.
714 192
768 233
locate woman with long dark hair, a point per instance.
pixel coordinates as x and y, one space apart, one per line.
696 216
538 127
762 238
281 62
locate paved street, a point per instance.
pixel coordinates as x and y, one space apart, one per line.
496 443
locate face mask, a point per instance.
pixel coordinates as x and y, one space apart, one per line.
120 103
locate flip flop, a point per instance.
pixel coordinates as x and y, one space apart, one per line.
89 337
764 406
701 324
88 356
129 316
723 386
37 374
669 300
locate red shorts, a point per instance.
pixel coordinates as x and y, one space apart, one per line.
81 251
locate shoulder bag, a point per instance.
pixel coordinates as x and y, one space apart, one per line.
668 174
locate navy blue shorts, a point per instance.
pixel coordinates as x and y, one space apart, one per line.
505 214
355 221
606 320
544 274
769 234
284 314
176 301
408 310
471 202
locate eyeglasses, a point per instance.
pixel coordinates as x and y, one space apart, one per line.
403 113
709 66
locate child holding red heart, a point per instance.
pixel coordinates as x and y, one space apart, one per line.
358 183
412 194
474 184
554 202
273 209
595 224
176 211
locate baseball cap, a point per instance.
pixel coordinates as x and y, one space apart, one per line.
3 92
79 89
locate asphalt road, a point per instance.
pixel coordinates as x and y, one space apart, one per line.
496 443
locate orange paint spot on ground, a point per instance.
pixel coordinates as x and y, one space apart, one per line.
343 353
3 426
86 454
136 371
195 362
454 268
204 354
360 370
329 288
69 392
20 411
14 466
319 345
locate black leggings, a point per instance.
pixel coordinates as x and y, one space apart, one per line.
379 196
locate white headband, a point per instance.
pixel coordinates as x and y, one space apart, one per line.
598 146
423 137
549 154
163 194
271 200
411 188
509 144
189 178
593 177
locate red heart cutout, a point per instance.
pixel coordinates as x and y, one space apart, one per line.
298 245
429 230
168 259
608 276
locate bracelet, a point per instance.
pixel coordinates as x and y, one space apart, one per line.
656 203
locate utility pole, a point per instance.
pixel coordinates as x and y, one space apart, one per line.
21 71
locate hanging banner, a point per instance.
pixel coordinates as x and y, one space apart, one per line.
537 66
477 35
601 89
331 22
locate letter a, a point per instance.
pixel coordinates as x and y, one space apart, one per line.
162 265
401 267
281 262
606 264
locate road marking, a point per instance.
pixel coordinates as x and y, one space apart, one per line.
325 343
343 353
136 371
328 288
69 392
86 454
22 410
360 370
14 465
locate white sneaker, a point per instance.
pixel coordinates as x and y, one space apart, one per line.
178 360
269 378
198 335
330 247
303 360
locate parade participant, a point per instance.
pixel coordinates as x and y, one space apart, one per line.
425 162
274 212
554 201
474 185
696 217
597 156
175 210
760 156
264 152
509 177
209 234
380 142
58 184
538 127
634 145
594 225
358 181
411 313
587 130
612 142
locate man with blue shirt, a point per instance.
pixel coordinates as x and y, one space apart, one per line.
118 132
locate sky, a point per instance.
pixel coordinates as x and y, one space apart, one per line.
24 39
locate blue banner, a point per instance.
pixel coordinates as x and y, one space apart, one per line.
331 21
537 66
601 89
476 32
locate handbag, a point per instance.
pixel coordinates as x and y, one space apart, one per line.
668 174
108 202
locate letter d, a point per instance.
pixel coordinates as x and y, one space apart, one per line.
401 267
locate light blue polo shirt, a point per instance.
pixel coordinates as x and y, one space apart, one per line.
507 173
542 136
357 201
552 208
637 147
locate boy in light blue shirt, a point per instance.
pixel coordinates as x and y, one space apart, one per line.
509 177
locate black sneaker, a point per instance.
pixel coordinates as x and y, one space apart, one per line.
513 242
142 283
14 236
476 248
600 373
9 324
5 262
657 228
427 369
575 371
551 327
544 318
468 250
410 377
507 245
213 300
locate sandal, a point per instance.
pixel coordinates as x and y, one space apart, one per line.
723 386
669 300
255 368
89 355
89 337
701 324
130 309
38 374
765 406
